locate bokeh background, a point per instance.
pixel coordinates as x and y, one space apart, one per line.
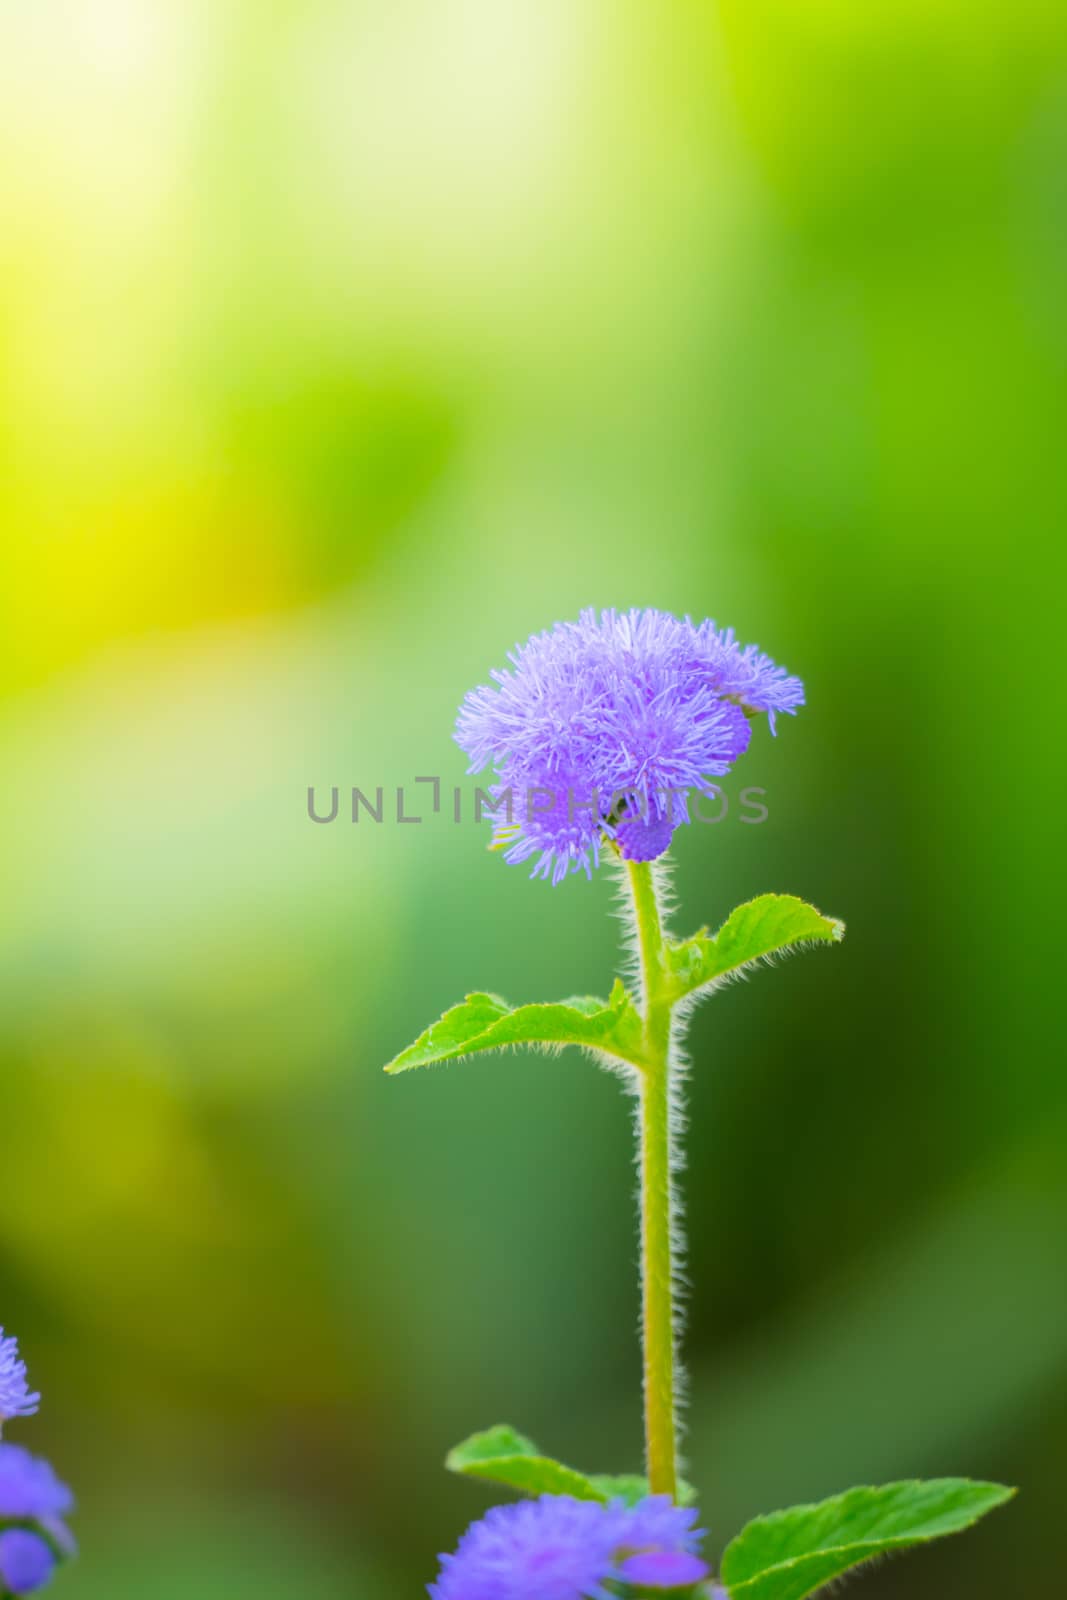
341 346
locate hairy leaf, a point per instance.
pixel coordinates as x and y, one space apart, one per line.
792 1553
485 1022
504 1456
770 925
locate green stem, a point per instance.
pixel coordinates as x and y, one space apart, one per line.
657 1244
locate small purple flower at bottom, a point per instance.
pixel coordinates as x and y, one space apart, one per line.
663 1569
641 840
558 1548
26 1561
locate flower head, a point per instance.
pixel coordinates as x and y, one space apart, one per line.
657 1524
601 728
31 1492
557 1548
29 1487
15 1397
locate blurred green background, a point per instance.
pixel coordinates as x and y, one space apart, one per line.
341 346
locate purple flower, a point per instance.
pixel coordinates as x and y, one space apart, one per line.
26 1561
601 728
30 1491
663 1569
15 1397
557 1548
656 1523
29 1487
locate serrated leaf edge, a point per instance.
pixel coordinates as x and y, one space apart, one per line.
618 999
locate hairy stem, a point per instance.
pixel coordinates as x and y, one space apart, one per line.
657 1266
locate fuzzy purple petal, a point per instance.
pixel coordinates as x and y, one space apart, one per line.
554 1548
29 1487
656 1523
663 1569
15 1397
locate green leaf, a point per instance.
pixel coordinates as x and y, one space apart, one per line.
770 925
485 1022
792 1553
504 1456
